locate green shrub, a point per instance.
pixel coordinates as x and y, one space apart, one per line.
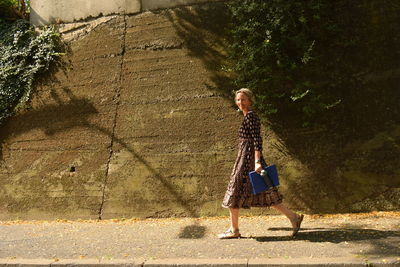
23 55
310 57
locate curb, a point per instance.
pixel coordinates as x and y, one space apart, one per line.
331 262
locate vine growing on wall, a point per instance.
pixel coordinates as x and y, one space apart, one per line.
24 54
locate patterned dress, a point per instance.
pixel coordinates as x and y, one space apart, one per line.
239 193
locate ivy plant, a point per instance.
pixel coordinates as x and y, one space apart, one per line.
24 54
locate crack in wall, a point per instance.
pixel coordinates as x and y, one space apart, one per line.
117 102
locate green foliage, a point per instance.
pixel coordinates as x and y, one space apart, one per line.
6 8
23 55
14 9
8 3
306 56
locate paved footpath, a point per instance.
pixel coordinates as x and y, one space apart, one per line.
371 239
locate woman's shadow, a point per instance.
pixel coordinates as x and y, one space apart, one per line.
377 239
331 235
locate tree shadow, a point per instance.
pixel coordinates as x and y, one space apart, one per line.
193 231
76 112
165 183
59 116
203 29
63 116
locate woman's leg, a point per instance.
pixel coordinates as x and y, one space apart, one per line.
234 213
233 231
293 217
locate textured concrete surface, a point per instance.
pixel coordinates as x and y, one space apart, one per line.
173 144
54 154
334 240
134 126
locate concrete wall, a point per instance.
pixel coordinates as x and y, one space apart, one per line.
140 124
45 12
135 126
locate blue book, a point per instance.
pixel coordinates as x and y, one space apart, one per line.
261 183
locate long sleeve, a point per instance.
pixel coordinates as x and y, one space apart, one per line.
254 125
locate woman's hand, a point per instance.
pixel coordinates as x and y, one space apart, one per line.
258 167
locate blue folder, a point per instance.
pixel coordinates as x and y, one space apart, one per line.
263 183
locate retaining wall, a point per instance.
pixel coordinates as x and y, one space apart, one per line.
140 124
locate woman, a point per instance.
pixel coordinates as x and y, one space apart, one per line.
239 192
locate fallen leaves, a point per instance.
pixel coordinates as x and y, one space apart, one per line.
375 214
351 216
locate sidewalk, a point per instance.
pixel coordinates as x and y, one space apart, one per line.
334 240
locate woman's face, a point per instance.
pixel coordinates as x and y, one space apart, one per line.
243 102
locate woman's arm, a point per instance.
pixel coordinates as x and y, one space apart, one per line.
255 132
257 158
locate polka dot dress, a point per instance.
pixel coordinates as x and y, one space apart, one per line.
239 193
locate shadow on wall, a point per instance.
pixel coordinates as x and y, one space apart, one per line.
203 28
76 113
36 19
348 163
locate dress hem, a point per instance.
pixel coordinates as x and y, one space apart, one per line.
253 206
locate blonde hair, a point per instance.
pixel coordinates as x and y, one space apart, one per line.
247 92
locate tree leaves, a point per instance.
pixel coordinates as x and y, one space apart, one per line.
305 56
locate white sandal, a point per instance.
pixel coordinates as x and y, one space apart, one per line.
229 234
